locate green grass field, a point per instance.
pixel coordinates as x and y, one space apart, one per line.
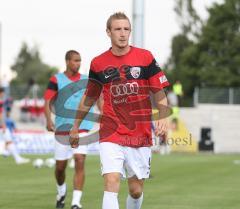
201 181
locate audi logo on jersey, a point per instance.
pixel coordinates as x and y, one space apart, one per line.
124 89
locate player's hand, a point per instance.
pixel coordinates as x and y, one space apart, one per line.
161 127
50 126
74 138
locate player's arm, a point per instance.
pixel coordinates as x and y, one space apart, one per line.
161 124
92 94
99 104
87 101
157 82
47 112
84 106
49 95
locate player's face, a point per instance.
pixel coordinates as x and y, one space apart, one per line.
74 63
119 33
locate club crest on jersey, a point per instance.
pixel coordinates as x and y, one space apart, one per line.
163 79
135 72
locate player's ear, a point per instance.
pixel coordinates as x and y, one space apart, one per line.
108 32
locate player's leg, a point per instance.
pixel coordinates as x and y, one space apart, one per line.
79 154
112 158
138 168
78 180
60 173
61 157
11 148
135 196
111 189
79 175
60 176
3 147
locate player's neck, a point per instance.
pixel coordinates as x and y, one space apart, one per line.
69 73
117 51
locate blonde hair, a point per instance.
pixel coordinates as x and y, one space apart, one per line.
117 16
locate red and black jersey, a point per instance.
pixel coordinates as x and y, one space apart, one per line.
1 105
125 82
1 112
52 88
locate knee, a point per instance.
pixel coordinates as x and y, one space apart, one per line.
136 193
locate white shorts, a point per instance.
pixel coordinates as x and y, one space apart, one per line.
6 135
65 152
120 159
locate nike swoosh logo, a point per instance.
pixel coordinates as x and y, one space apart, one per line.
107 76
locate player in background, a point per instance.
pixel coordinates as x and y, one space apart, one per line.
125 75
60 95
5 135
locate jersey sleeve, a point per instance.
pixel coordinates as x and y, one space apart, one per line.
52 89
1 106
156 77
94 86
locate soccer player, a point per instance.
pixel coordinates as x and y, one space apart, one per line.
5 135
63 92
125 75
